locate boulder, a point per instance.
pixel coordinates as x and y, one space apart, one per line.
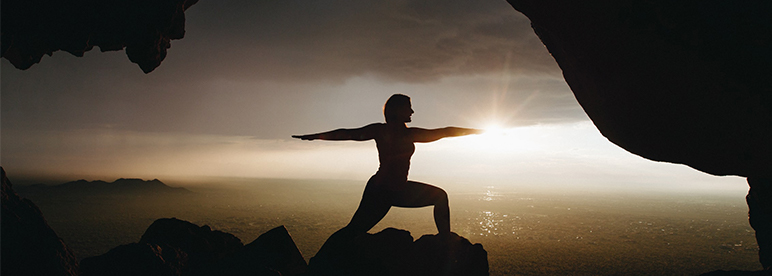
173 247
276 249
29 245
169 246
448 256
201 244
393 252
136 259
272 253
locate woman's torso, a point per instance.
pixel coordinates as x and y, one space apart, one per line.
395 147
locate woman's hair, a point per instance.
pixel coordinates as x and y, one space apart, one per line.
393 104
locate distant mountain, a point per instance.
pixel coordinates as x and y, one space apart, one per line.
120 186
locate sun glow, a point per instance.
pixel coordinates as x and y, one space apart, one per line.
497 140
493 128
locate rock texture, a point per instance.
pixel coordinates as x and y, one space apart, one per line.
201 244
137 259
168 247
678 81
434 255
145 28
273 253
29 245
393 252
173 247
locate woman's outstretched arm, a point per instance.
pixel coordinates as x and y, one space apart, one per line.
431 135
357 134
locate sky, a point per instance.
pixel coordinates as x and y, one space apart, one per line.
249 74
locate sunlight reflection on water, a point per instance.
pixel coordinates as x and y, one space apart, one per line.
490 223
490 220
489 195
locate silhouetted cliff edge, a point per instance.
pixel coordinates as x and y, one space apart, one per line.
677 81
29 245
175 247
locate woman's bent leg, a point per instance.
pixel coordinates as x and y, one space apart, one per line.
417 194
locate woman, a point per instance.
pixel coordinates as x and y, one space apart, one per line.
390 186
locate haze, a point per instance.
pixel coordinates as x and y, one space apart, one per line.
249 74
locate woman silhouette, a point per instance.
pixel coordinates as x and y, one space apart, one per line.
390 186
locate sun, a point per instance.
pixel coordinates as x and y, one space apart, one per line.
496 139
493 128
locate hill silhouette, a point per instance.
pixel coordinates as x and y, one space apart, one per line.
126 186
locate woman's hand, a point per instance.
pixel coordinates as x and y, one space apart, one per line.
307 137
468 131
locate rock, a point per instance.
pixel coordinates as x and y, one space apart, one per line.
677 81
276 250
759 200
201 244
29 245
173 247
169 246
454 255
369 254
273 253
393 252
145 28
136 259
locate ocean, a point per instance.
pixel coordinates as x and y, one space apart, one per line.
526 230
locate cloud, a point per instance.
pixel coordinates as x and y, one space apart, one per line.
410 41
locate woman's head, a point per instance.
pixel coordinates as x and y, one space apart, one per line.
397 109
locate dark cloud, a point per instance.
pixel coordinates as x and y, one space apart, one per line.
399 40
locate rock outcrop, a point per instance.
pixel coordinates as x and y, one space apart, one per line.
172 247
678 81
175 247
455 255
145 28
137 259
393 252
272 253
29 245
